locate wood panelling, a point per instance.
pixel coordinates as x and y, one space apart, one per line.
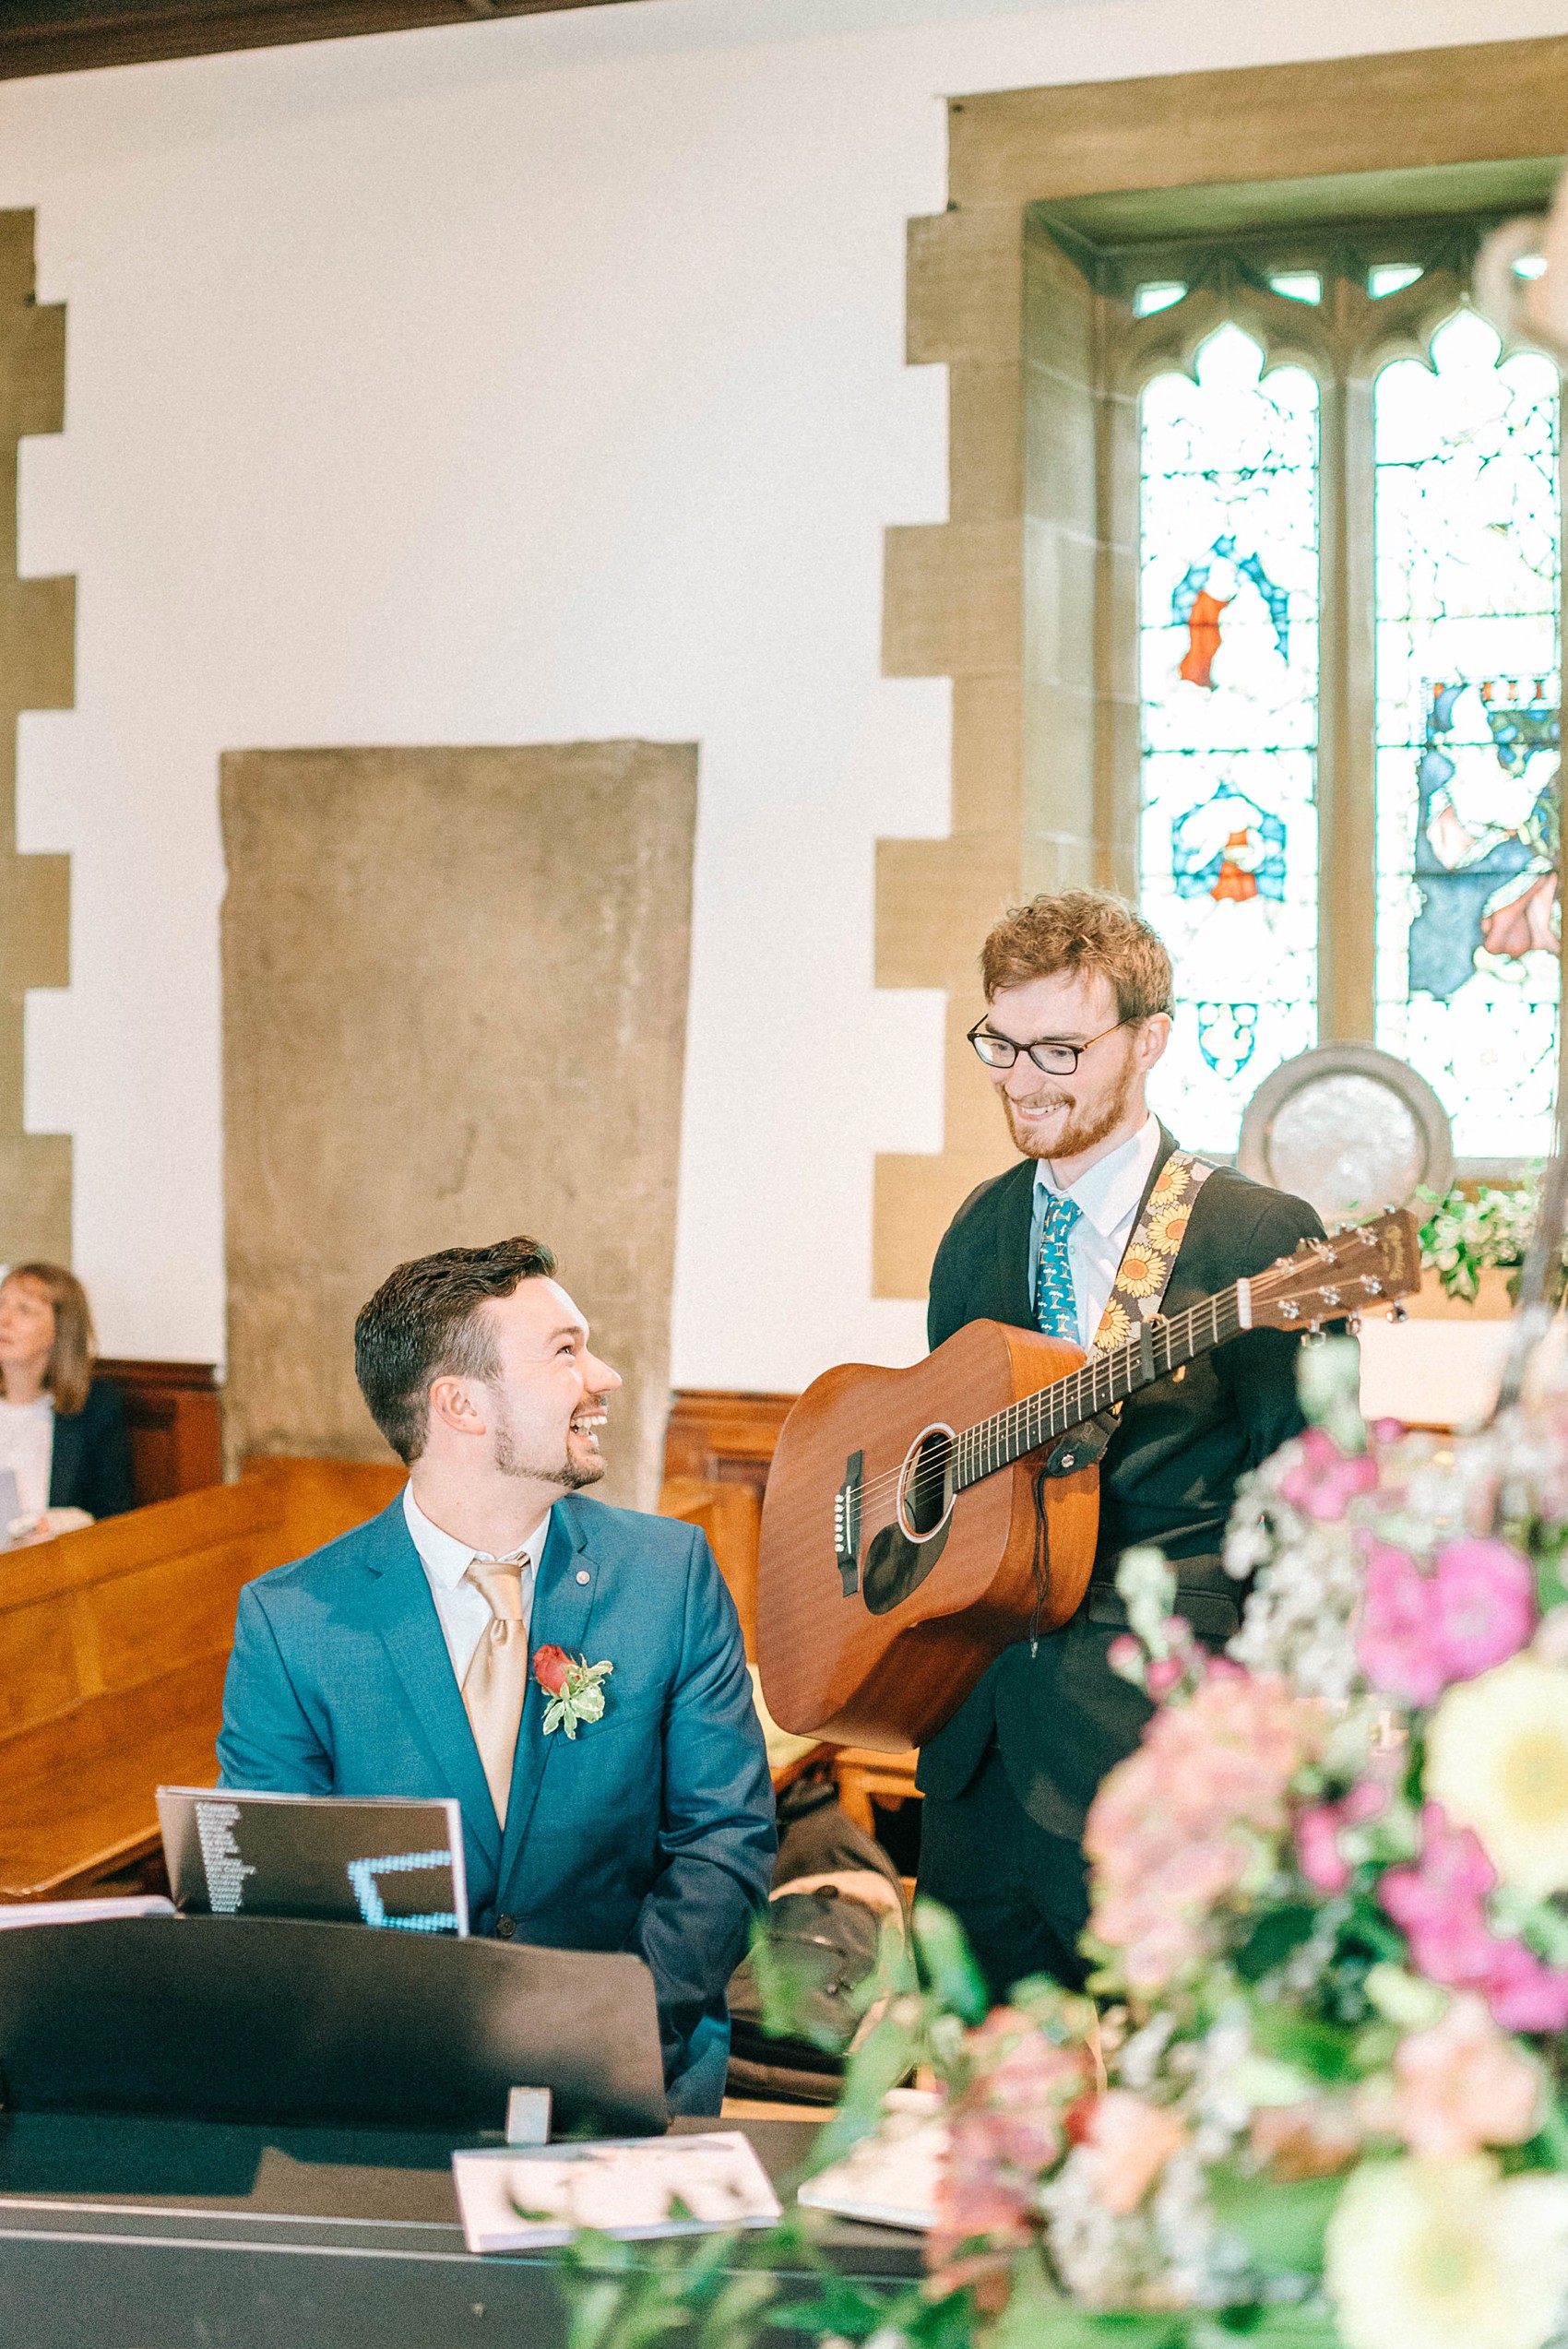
68 36
113 1643
724 1433
175 1414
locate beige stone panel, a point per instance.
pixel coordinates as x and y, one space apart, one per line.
454 1008
37 646
1479 103
935 900
988 733
38 620
985 440
1059 310
951 601
1060 469
1061 571
35 916
32 368
965 285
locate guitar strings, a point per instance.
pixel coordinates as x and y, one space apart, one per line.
1005 1427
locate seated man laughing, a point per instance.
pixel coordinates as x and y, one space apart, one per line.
419 1655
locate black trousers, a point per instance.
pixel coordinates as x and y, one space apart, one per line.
1020 1894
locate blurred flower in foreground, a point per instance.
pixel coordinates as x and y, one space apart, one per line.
1448 2255
1497 1761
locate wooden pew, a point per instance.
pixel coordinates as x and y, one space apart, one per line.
113 1643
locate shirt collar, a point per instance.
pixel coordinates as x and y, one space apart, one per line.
1108 1193
445 1559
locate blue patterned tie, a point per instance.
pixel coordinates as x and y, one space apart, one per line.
1056 1307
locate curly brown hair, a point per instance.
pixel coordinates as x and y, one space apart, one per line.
1081 930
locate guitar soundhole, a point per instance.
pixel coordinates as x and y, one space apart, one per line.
901 1556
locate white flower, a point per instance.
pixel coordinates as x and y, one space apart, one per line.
1497 1761
1448 2255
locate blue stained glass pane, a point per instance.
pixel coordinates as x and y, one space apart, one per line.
1229 624
1468 694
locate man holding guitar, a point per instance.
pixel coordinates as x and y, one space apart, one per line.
1078 992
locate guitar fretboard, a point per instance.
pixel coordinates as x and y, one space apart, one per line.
1162 1345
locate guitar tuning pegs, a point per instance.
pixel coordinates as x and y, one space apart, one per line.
1353 1324
1398 1313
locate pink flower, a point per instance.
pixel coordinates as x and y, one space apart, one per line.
1440 1904
1323 1481
1006 2128
1128 2144
1399 1643
1419 1633
1163 1673
1175 1827
1486 1596
1461 2085
1318 1850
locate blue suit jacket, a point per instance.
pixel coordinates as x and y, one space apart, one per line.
652 1830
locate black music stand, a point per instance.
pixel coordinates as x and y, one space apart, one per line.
271 2019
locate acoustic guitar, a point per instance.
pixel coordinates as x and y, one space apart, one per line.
918 1522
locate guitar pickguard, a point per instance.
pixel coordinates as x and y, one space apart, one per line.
895 1565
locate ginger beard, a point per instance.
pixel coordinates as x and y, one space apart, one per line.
580 1462
1090 1116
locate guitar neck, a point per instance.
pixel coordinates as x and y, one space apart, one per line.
1160 1345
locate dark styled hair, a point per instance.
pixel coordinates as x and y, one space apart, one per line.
75 1349
424 1323
1081 930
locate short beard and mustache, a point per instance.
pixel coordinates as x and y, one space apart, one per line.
1090 1124
570 1475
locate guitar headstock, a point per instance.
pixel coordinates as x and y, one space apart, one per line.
1352 1272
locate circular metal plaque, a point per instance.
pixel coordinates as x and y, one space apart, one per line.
1351 1129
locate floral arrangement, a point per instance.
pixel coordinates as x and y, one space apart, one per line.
1466 1232
573 1686
1317 2095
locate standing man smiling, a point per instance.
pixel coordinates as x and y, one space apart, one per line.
1078 1001
416 1655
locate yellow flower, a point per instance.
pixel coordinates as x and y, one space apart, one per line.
1168 1231
1140 1275
1114 1329
1497 1761
1448 2255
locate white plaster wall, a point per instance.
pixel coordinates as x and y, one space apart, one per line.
518 382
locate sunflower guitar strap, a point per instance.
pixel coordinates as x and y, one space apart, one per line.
1142 1280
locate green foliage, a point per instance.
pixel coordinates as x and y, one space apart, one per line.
1275 1934
1281 2225
1324 2050
946 1968
1466 1232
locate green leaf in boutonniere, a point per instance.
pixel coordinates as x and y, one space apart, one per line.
574 1687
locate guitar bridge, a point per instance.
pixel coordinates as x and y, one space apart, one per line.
847 1524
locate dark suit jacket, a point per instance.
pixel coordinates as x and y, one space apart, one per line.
91 1465
1169 1476
651 1830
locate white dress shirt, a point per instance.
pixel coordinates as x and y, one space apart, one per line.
1107 1197
26 1448
461 1604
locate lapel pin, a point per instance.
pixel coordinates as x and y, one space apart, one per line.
582 1574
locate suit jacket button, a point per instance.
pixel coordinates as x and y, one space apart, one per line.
504 1928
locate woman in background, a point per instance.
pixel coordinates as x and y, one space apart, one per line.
63 1432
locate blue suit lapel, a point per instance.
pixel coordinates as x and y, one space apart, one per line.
407 1619
563 1609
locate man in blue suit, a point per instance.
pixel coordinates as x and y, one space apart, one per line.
403 1658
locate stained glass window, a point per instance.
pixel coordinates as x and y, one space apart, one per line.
1229 629
1467 540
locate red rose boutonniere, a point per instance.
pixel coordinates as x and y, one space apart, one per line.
573 1686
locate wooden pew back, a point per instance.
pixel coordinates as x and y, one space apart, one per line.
113 1643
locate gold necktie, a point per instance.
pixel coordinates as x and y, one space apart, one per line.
497 1679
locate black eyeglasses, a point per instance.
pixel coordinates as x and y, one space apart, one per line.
1055 1059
